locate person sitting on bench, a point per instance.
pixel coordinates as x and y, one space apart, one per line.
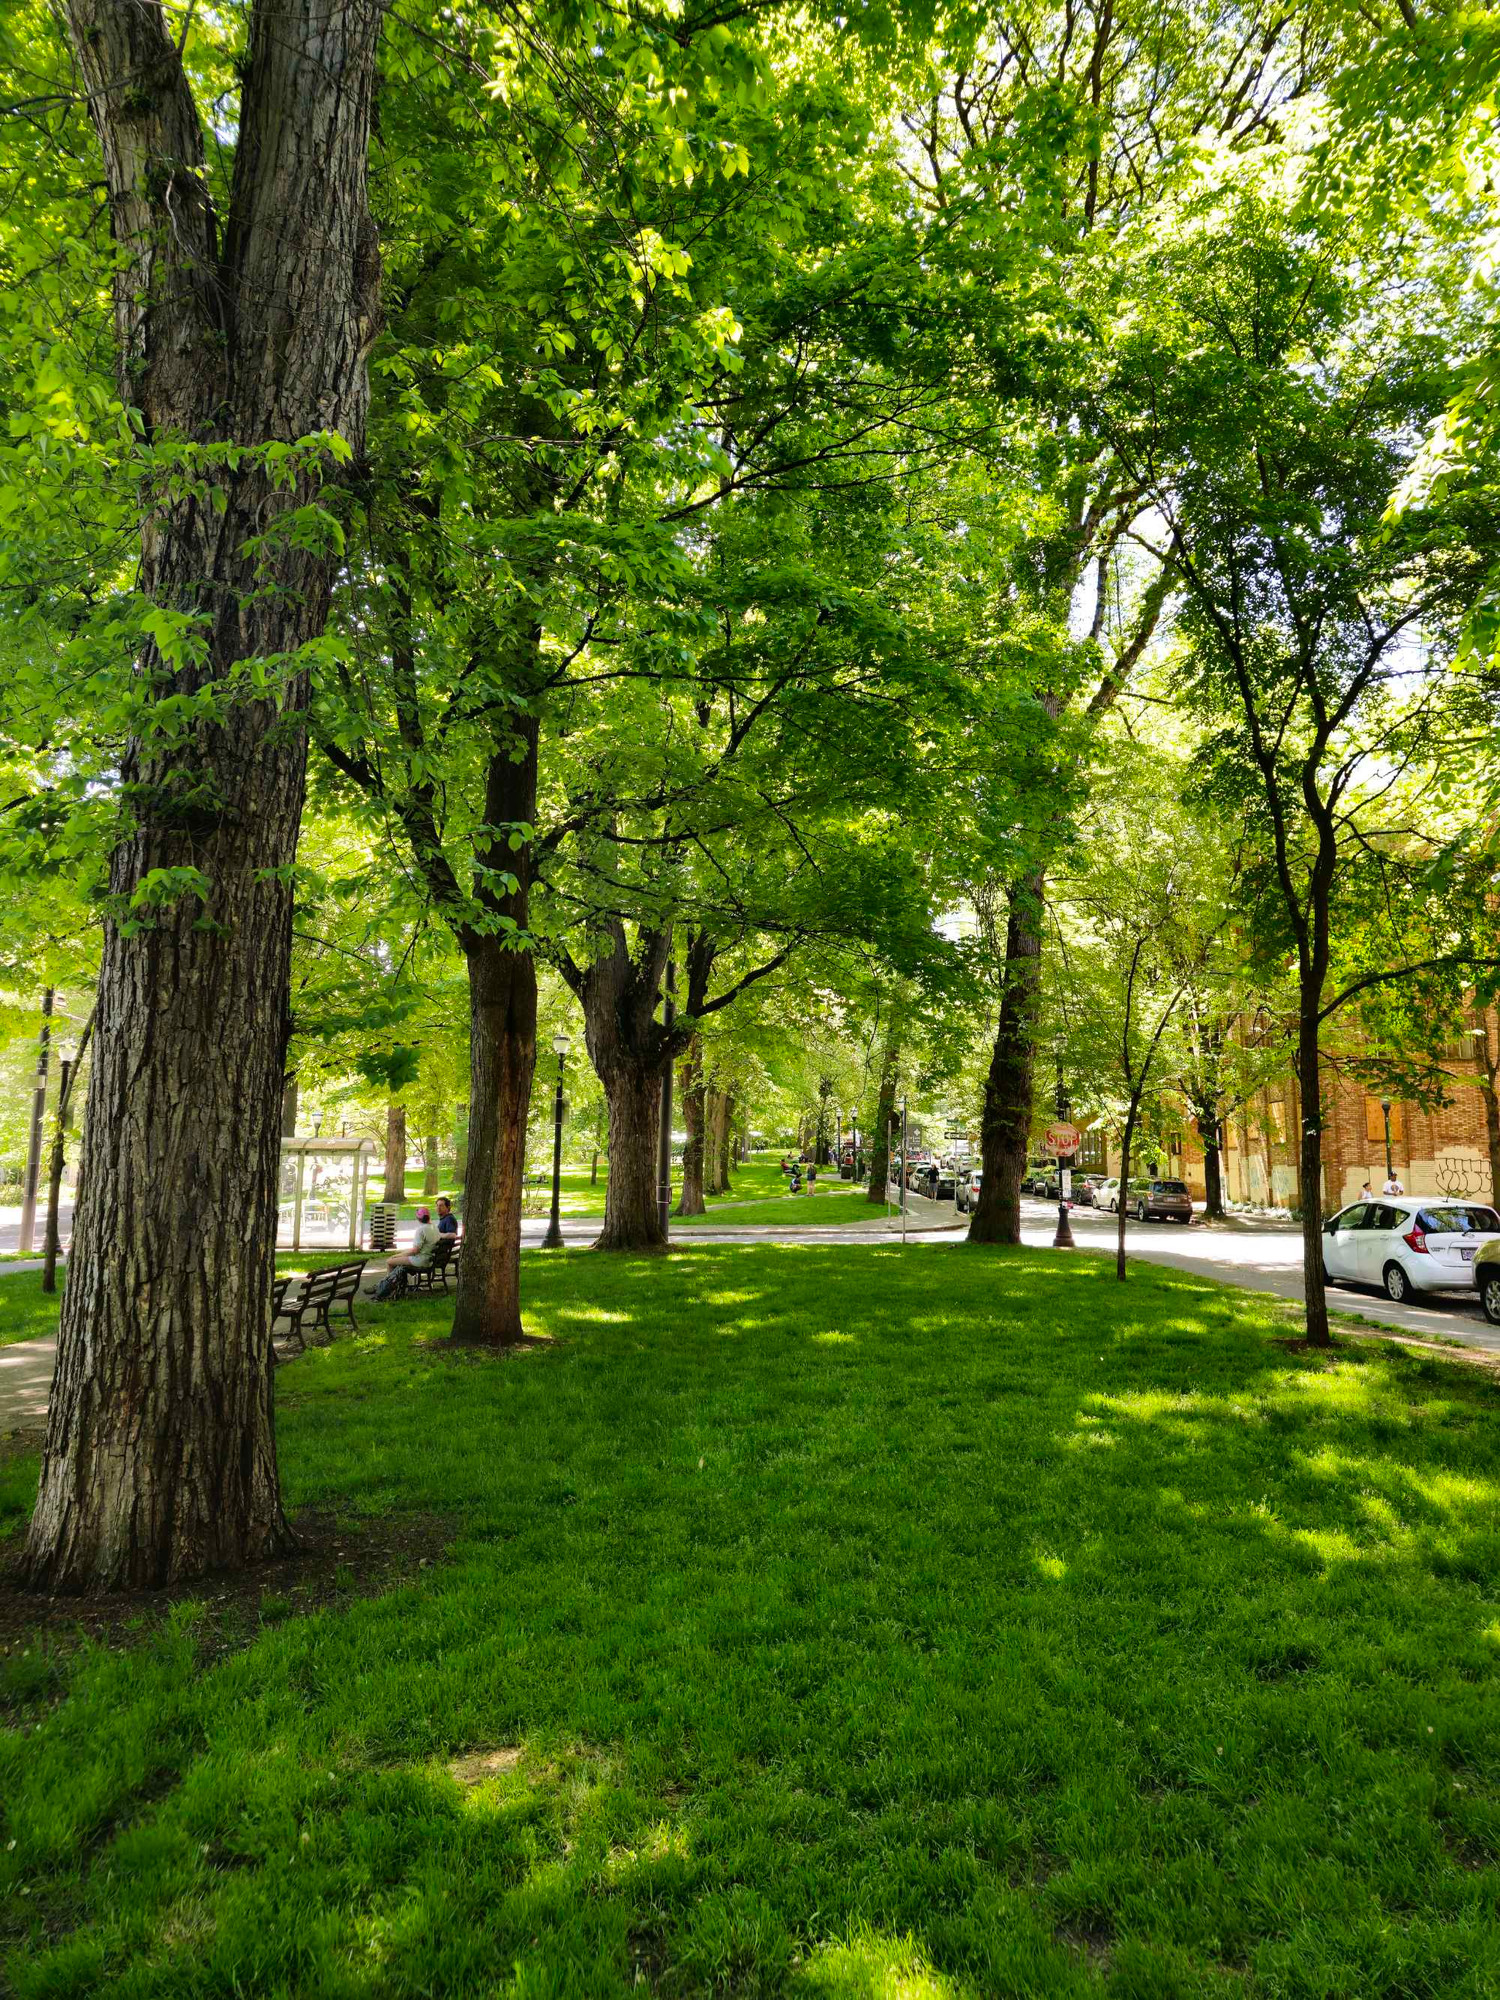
423 1244
447 1221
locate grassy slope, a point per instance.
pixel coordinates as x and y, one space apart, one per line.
860 1636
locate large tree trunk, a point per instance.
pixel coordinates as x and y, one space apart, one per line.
160 1460
629 1048
430 1181
715 1108
502 1059
885 1109
1005 1122
725 1142
693 1110
1213 1177
632 1212
395 1153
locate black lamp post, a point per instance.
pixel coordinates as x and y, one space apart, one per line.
1063 1240
1385 1108
553 1240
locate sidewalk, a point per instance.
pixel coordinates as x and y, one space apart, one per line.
26 1383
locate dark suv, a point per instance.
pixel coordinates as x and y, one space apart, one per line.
1160 1201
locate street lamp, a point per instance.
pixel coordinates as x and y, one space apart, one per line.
1385 1108
553 1240
1063 1240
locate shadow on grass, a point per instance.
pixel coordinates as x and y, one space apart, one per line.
850 1623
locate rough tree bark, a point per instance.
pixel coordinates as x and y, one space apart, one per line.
395 1153
619 992
628 1047
502 1050
160 1460
715 1181
885 1107
693 1109
1213 1177
1005 1121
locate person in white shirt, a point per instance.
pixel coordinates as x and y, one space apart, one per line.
422 1246
1393 1186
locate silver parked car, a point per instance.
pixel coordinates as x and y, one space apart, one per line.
970 1180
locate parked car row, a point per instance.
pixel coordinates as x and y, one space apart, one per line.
1147 1199
1046 1181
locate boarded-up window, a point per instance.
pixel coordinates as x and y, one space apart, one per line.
1375 1122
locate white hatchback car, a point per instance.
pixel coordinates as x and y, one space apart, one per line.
1405 1245
1107 1194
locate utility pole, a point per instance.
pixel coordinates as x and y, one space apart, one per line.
34 1143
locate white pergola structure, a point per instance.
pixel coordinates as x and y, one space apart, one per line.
318 1213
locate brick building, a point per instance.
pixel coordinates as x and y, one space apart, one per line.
1443 1151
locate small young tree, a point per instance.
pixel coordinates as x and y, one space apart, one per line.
1270 402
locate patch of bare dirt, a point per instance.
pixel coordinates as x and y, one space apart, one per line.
478 1765
1094 1943
335 1563
438 1347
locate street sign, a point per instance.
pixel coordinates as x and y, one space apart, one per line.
1062 1137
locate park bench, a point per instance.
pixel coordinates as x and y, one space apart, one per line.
444 1259
323 1290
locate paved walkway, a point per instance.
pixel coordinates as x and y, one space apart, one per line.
10 1222
26 1383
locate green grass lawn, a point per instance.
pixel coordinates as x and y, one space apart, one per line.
826 1205
758 1181
26 1311
838 1623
